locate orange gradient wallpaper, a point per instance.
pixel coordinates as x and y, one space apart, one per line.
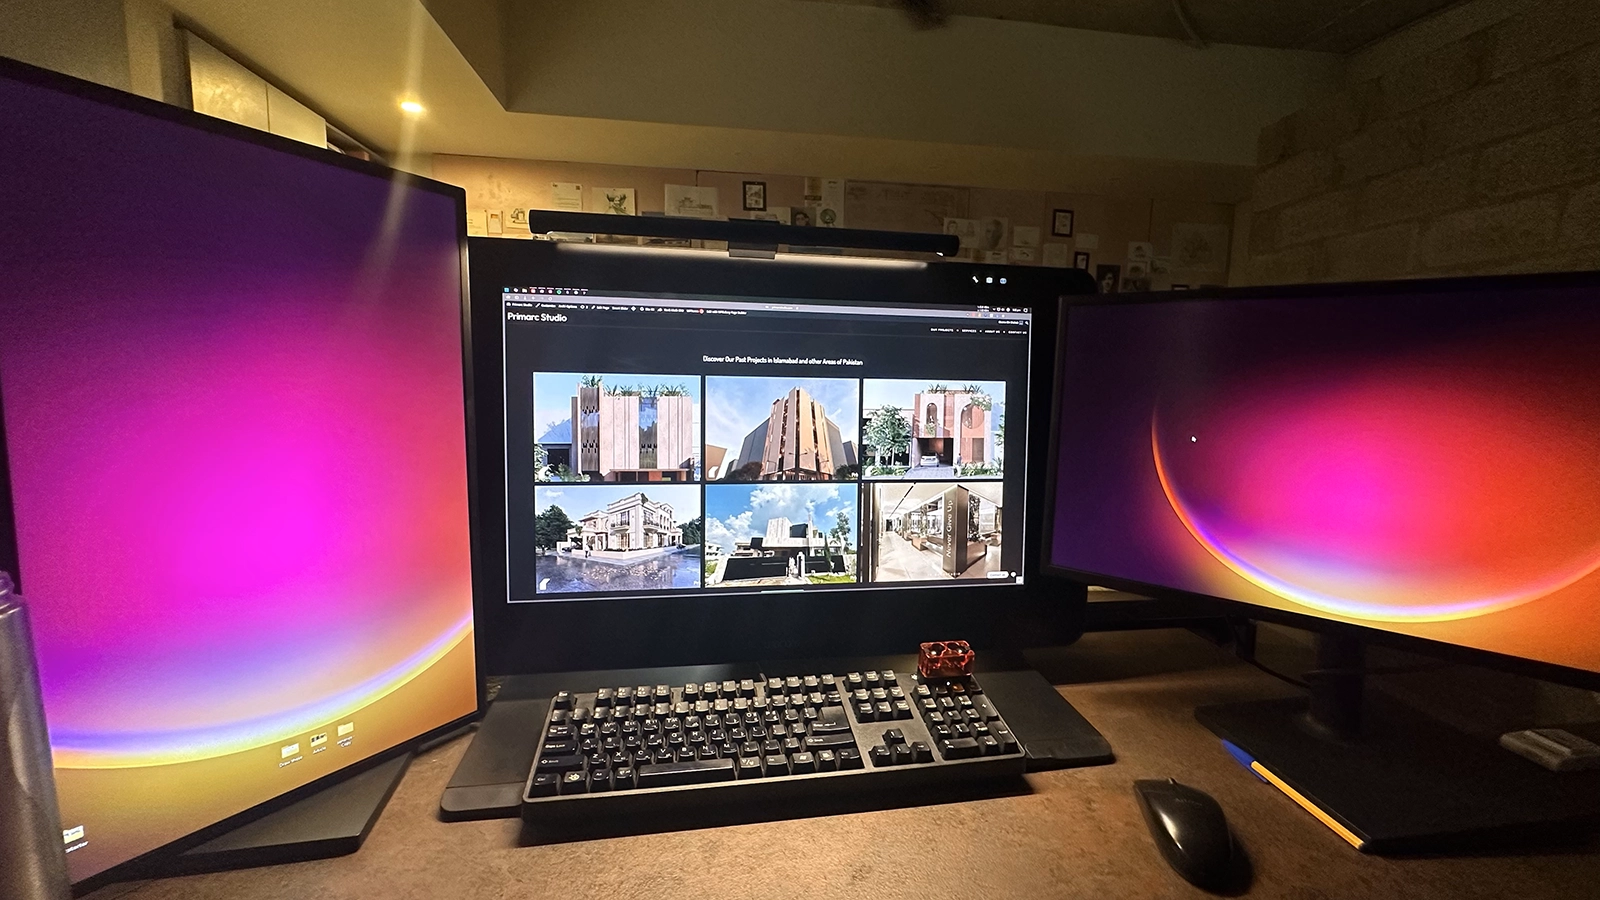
235 426
1423 463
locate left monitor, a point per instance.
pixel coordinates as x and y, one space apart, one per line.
233 395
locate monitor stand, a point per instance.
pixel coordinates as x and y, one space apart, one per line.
334 821
1390 780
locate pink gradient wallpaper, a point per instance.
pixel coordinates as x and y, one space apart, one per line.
1427 464
233 401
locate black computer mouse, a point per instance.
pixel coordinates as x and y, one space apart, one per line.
1191 832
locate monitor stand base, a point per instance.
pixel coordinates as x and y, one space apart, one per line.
334 821
1404 784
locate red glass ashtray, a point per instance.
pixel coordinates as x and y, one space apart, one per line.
945 659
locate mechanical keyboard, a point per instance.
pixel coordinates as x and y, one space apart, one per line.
656 749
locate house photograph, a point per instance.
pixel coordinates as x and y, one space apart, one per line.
601 537
783 429
616 428
913 429
780 534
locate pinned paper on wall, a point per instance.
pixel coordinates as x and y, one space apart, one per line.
994 257
779 214
1140 251
830 212
1199 249
1058 256
691 202
613 201
1024 254
965 229
1025 236
992 233
477 222
496 222
517 220
567 196
1087 241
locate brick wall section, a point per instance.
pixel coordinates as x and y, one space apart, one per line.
1482 156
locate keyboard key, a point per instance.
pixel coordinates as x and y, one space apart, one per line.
885 711
958 748
623 778
699 771
774 685
791 745
902 709
747 688
792 683
831 720
942 732
866 712
854 681
921 752
559 748
603 697
707 752
873 679
827 760
829 741
777 764
889 678
988 745
881 756
558 733
985 708
828 682
564 763
574 783
545 784
901 754
1008 743
750 767
563 700
849 758
662 693
878 694
599 780
894 736
803 763
728 689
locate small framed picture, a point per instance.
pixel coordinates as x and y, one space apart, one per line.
755 195
1109 277
1061 223
1080 260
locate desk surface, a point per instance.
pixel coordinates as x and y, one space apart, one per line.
1077 834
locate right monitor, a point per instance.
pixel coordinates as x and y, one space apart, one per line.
1418 458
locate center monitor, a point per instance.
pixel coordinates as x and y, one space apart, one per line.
694 438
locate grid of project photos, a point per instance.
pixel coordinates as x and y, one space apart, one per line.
761 470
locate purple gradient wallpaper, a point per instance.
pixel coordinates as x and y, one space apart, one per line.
1427 464
233 401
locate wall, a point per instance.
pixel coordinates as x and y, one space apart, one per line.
1114 219
1469 144
86 38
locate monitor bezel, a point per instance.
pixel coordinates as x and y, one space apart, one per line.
624 633
1212 604
150 863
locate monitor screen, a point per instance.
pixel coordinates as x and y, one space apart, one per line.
233 403
1422 460
662 444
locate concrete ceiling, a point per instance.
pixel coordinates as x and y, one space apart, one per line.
530 79
1334 26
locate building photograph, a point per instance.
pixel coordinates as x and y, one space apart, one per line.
780 534
783 429
624 429
913 429
602 537
931 531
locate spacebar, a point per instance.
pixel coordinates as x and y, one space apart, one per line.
690 771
